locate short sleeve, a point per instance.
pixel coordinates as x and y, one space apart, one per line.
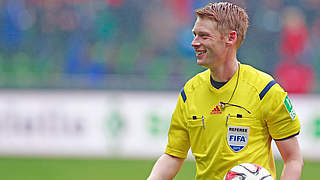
282 121
178 138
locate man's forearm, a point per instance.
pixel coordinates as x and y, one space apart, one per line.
166 168
292 170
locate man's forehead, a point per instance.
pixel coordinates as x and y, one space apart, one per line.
204 24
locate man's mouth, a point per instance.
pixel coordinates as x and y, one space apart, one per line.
200 53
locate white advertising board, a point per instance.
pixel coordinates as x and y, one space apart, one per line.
109 123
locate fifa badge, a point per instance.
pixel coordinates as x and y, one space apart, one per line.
237 137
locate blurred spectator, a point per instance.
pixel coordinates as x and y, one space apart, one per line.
295 77
294 34
292 72
314 48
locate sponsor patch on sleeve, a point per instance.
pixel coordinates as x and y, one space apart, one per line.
289 107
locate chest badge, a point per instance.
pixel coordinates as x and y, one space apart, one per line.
237 137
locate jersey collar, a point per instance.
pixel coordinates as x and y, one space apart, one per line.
229 85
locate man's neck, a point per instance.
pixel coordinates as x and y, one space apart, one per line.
224 72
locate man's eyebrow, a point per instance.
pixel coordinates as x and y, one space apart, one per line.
200 32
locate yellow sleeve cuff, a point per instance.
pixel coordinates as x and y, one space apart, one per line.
176 153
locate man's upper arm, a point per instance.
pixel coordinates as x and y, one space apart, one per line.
279 114
289 149
178 137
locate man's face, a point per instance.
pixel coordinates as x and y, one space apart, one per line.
208 43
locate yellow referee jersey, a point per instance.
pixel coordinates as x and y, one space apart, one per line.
240 132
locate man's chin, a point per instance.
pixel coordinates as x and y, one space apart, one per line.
201 63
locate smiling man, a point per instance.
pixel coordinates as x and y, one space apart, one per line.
230 113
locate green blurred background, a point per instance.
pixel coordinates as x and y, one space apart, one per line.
93 169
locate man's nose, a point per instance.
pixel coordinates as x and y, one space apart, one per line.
195 43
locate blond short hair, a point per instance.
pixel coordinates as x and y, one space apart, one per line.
228 17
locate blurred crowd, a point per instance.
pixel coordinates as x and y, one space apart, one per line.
145 44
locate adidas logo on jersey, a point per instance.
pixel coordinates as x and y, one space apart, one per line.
216 110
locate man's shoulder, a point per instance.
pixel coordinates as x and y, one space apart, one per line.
258 74
255 77
261 81
197 80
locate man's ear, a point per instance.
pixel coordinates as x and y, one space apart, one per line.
232 37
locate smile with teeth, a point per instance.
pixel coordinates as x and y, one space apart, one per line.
198 53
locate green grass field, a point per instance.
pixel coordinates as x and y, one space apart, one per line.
93 169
